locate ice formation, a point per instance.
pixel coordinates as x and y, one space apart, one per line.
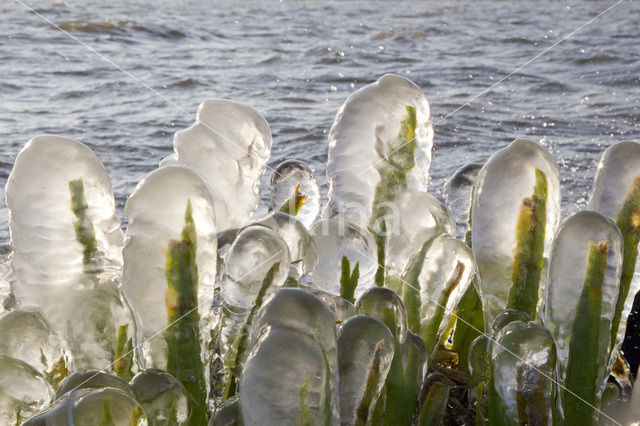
92 379
162 396
289 178
302 248
229 145
523 359
616 195
23 391
513 188
457 193
336 239
377 301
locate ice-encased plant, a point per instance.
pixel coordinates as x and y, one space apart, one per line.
515 211
292 177
229 146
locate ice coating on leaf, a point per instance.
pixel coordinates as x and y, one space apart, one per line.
303 315
39 195
23 391
336 239
365 351
523 359
284 181
457 193
156 212
504 183
376 300
442 272
106 406
229 145
364 145
28 336
92 379
615 196
341 308
567 269
162 396
414 218
302 248
299 374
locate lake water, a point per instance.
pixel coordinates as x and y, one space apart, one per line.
490 70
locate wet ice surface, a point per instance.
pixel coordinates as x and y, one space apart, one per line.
156 212
457 194
23 391
502 185
284 181
162 396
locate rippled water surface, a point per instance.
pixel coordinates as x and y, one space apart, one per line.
123 77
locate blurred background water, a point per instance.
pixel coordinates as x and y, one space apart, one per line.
296 62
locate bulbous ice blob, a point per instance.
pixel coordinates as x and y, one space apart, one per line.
158 214
381 132
508 316
569 272
616 195
229 145
106 406
365 352
23 391
336 239
442 272
303 315
92 379
289 176
413 219
285 387
27 336
523 360
457 194
227 414
376 300
162 396
53 210
304 254
510 193
341 308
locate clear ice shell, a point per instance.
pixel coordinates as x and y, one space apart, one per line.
335 239
302 248
227 414
369 119
523 358
284 181
156 212
24 391
341 308
615 173
285 387
5 287
567 267
98 406
376 300
457 193
28 336
45 249
503 182
229 145
358 338
162 396
414 218
447 271
92 379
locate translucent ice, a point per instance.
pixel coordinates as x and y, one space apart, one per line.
365 351
291 176
157 212
585 261
336 239
381 132
5 287
227 414
513 188
53 210
523 359
441 272
162 396
229 145
92 379
377 300
302 248
23 391
299 374
341 308
616 195
27 336
457 193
